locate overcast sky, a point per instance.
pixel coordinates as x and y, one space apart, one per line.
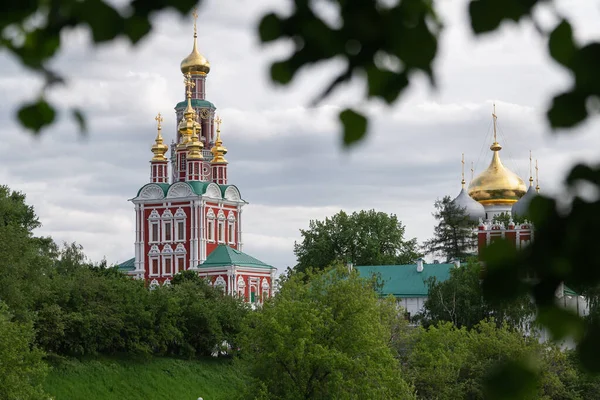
284 156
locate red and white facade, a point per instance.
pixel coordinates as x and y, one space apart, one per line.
180 221
519 235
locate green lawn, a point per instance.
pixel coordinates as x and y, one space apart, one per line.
157 378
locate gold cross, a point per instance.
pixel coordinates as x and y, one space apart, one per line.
218 121
195 15
463 169
494 117
159 119
189 84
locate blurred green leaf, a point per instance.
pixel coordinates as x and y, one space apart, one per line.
355 126
503 273
281 72
36 116
386 84
105 22
561 45
486 15
136 28
80 120
567 110
561 323
511 380
589 348
269 28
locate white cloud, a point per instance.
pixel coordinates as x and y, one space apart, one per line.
285 155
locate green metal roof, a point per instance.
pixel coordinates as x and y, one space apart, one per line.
163 186
405 280
224 256
567 291
128 265
196 103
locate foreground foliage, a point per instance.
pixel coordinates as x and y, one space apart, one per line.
21 367
328 338
79 308
447 363
156 378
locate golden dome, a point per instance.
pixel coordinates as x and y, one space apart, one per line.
159 148
218 150
194 147
188 123
497 184
195 63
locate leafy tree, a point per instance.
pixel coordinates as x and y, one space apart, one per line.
325 338
459 300
363 238
454 236
22 369
505 218
450 363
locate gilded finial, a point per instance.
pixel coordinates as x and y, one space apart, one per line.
530 170
159 148
194 146
195 15
472 172
495 146
537 179
462 182
195 63
189 84
218 149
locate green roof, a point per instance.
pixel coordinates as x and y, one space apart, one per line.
567 291
196 103
128 265
405 280
224 256
163 186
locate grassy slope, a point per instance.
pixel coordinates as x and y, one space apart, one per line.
158 378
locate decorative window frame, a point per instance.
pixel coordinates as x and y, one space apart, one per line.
180 254
153 284
210 225
265 289
221 232
167 218
167 254
179 218
231 228
241 287
154 255
154 219
220 283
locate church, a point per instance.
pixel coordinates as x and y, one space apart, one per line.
188 216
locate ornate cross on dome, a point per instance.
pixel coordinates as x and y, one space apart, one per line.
537 180
218 121
472 171
530 170
463 171
195 15
189 84
494 117
158 120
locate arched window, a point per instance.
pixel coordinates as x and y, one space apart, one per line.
210 225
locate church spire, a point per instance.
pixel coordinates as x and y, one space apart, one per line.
219 163
158 164
462 182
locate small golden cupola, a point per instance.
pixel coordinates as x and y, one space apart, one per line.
159 148
194 146
218 150
195 63
188 123
497 185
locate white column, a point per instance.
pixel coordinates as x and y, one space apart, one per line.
239 228
201 206
137 236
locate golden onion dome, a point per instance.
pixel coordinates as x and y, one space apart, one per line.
497 184
195 63
218 150
194 147
159 148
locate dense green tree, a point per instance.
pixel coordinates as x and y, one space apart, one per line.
459 300
21 367
363 238
505 218
447 363
454 236
326 337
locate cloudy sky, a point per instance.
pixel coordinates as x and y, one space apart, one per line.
285 157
